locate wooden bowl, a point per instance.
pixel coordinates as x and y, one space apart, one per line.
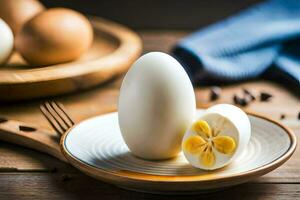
96 147
114 49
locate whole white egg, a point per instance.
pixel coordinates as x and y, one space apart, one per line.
6 42
156 106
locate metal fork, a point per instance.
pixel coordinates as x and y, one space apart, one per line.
56 115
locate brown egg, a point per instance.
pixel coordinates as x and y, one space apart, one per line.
54 36
16 12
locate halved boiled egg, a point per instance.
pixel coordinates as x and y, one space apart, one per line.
217 137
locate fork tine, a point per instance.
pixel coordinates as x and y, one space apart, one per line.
52 122
56 116
61 115
61 108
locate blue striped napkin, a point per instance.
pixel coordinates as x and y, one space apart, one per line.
263 40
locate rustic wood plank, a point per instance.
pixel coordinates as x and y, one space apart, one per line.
103 99
30 160
15 159
77 186
81 108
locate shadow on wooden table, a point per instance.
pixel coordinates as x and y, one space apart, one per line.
79 186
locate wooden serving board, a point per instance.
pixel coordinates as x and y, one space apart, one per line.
114 49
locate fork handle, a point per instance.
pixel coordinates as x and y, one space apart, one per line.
28 136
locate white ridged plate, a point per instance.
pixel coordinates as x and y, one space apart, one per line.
96 147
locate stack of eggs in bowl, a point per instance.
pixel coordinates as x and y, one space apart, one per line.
42 36
157 118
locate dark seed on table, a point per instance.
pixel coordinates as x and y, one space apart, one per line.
26 128
240 101
248 93
265 96
299 115
282 116
215 93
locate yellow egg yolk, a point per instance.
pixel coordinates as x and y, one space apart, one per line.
205 141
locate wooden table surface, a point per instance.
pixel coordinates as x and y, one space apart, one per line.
26 174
